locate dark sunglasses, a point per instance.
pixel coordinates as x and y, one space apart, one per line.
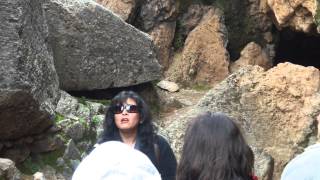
118 109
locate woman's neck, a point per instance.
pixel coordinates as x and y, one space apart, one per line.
129 137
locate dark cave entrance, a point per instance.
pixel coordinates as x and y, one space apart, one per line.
298 48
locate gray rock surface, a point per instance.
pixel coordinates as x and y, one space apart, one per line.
75 131
168 85
17 153
71 152
93 48
28 81
8 170
69 107
47 144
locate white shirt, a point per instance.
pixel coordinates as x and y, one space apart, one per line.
305 166
114 160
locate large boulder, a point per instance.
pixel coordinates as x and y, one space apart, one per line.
276 110
156 17
28 80
277 107
8 170
93 48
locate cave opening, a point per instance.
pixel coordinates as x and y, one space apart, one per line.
298 48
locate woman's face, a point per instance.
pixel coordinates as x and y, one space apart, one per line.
127 121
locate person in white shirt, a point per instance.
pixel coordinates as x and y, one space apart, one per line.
114 160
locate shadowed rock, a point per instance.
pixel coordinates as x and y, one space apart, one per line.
8 169
95 49
28 81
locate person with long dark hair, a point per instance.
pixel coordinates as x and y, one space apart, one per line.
128 119
214 149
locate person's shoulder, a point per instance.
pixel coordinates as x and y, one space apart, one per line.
161 139
163 143
116 160
303 165
311 154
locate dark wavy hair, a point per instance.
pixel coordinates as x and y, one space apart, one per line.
146 130
214 149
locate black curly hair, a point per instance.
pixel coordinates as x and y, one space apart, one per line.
146 129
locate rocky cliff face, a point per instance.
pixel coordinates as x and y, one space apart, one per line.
198 64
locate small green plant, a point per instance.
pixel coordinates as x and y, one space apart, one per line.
83 121
59 117
29 166
50 158
82 100
33 164
95 120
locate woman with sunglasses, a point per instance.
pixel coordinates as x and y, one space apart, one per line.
128 119
214 149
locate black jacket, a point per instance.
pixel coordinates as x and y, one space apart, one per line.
166 163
